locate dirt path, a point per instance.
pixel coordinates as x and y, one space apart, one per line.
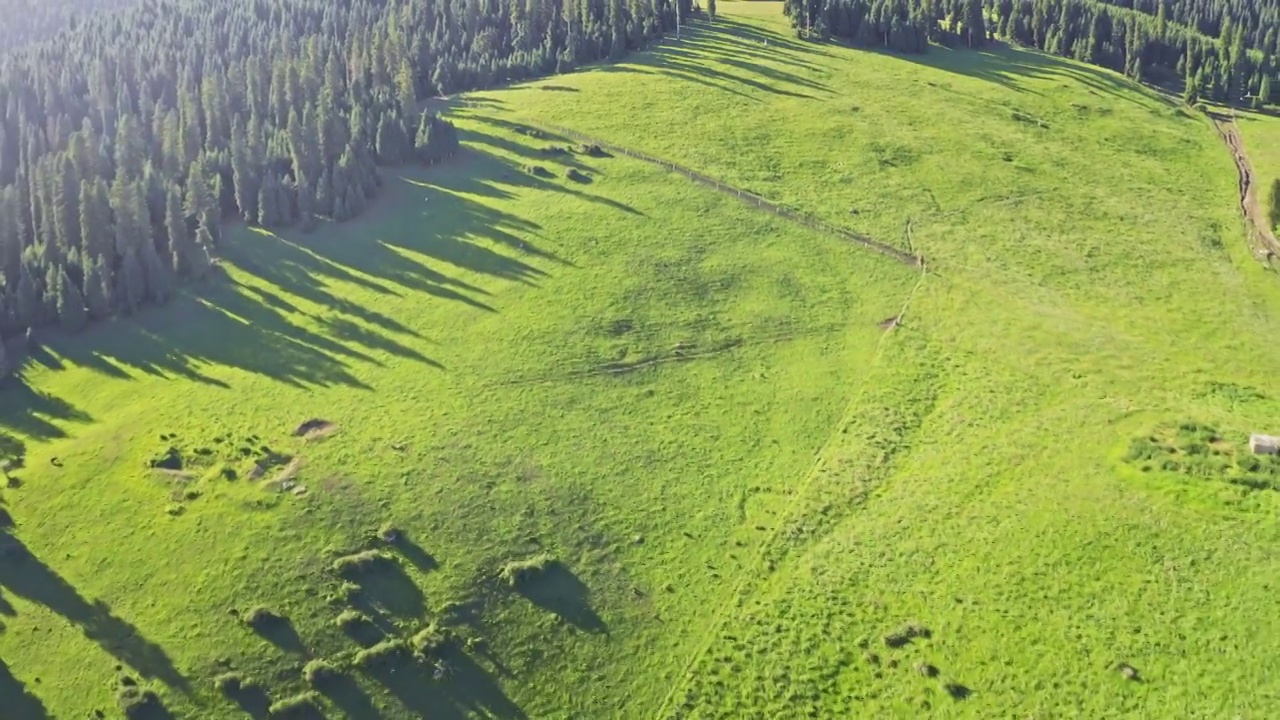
1263 241
744 195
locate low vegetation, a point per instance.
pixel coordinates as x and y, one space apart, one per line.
670 449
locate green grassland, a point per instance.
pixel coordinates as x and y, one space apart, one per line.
758 502
1262 141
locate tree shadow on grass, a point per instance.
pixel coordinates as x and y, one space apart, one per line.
344 692
560 592
15 702
464 689
252 700
24 575
388 587
281 633
489 171
29 412
1007 66
413 552
213 324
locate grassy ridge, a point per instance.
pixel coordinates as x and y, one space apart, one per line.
740 533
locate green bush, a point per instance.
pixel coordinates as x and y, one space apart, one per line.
362 562
298 707
261 618
228 683
138 703
385 654
351 620
319 673
431 642
518 572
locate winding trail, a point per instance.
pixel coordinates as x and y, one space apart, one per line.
1261 238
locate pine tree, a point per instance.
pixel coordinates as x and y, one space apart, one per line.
66 200
1264 91
975 25
131 282
71 311
201 261
175 225
97 290
158 274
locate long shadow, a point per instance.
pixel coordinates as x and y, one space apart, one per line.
413 552
24 575
31 413
320 253
388 587
559 591
344 692
644 66
691 60
687 64
462 688
1007 65
281 633
489 170
15 702
754 34
215 324
252 700
743 41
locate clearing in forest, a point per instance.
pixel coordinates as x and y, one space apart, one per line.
615 444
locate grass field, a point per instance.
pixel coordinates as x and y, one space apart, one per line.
1262 137
755 501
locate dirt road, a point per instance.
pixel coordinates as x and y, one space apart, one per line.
1261 238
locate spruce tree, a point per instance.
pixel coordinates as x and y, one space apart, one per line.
975 25
97 290
71 311
1264 91
131 283
201 260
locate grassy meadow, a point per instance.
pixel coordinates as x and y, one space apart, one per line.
744 496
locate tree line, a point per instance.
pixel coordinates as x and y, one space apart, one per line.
125 142
28 21
1221 50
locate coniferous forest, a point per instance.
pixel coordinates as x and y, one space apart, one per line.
126 141
1220 50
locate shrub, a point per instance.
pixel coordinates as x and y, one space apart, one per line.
577 176
362 562
540 171
351 620
228 683
431 642
261 618
296 707
518 572
139 703
390 534
319 673
384 654
594 150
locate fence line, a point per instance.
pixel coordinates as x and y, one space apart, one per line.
747 196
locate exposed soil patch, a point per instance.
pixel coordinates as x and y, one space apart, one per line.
890 323
1260 235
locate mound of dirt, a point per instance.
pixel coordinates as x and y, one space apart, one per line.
890 323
